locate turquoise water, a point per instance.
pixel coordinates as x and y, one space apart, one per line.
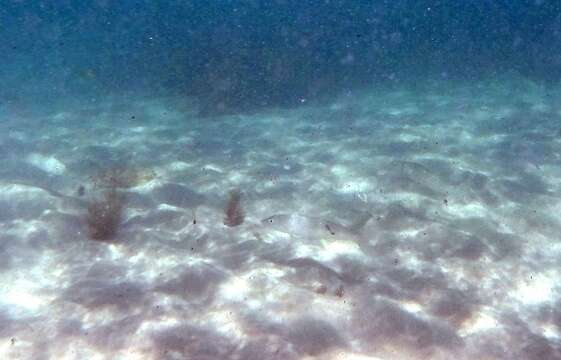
280 180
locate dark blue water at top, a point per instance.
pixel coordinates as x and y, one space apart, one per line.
247 54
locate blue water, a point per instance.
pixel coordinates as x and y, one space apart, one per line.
280 180
268 53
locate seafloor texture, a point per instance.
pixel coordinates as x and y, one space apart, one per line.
397 223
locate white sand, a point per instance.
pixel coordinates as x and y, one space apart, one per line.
460 259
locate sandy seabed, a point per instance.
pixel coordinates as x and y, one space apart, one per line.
398 223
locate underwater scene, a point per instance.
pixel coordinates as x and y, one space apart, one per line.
279 179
